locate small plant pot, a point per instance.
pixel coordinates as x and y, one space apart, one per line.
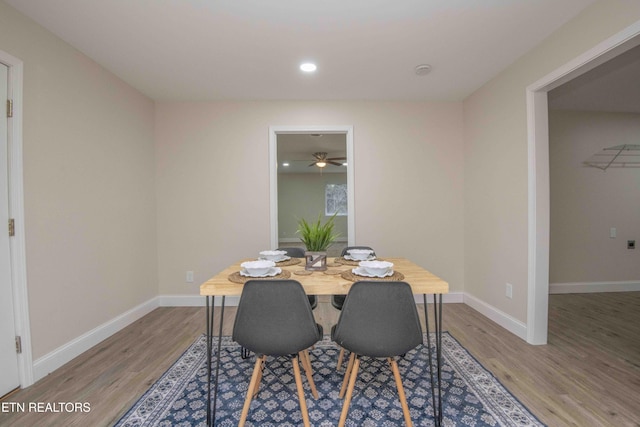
315 261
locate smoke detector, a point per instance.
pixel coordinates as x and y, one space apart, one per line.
423 69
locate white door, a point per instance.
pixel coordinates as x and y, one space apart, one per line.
9 379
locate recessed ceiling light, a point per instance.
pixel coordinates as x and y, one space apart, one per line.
308 67
423 69
285 164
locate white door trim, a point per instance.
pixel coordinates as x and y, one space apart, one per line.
273 174
16 210
538 172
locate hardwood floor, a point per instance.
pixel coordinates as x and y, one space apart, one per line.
588 374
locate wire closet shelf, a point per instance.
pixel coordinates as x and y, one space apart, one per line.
620 156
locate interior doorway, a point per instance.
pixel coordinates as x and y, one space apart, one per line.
304 150
18 269
538 171
312 183
10 378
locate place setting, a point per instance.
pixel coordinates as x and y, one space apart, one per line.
372 270
279 257
258 269
355 256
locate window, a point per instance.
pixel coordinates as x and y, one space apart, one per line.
335 198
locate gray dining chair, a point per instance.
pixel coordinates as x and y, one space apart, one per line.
274 318
298 252
379 319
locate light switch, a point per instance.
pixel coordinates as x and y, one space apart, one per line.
613 232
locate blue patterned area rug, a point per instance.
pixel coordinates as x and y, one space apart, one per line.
472 396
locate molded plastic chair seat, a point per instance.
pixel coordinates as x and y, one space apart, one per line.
378 319
274 318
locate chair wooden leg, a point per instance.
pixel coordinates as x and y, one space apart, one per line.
303 403
401 395
306 364
257 387
340 357
306 361
252 385
347 400
345 380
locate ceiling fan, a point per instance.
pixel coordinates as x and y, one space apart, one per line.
322 160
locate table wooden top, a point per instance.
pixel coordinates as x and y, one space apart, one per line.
320 283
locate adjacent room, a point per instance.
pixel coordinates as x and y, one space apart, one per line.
476 164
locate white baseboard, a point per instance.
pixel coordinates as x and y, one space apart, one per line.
511 324
193 301
450 298
297 240
65 353
593 287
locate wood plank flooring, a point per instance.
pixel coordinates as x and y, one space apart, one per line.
588 374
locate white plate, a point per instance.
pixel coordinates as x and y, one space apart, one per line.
284 258
272 272
350 258
359 271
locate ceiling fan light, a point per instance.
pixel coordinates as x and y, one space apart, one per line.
321 164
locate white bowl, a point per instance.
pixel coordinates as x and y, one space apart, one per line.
376 268
360 254
273 255
259 267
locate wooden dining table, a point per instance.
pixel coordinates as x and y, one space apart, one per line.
336 280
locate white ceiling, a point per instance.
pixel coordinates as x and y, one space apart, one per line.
251 49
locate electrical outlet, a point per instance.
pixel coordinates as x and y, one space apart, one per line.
189 276
509 291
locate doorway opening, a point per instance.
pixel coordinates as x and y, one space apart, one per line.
538 171
16 211
302 149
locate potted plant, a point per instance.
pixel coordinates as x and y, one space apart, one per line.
317 237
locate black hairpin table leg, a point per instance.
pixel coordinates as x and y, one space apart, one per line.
436 381
209 325
215 389
211 412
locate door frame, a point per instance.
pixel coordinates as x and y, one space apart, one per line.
538 172
17 243
274 131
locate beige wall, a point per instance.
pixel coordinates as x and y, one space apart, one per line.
89 187
302 195
586 202
213 182
495 156
102 236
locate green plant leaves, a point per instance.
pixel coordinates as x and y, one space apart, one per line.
316 236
